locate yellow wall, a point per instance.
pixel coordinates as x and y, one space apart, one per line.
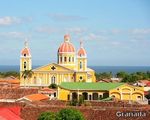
63 94
124 92
84 64
127 92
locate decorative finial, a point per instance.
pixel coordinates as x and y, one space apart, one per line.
26 43
81 43
67 38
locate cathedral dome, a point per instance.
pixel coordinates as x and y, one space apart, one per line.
25 51
66 46
81 51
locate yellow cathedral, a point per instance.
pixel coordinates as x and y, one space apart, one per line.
73 77
71 66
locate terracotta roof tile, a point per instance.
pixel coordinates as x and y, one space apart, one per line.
36 97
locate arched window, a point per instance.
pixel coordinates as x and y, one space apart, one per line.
53 79
25 65
65 59
69 59
72 59
24 55
80 65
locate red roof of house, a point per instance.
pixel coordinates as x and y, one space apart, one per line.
144 81
36 97
47 91
10 113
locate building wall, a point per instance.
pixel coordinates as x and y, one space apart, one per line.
127 92
124 92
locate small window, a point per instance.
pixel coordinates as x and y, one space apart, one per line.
118 89
69 59
80 77
65 59
54 94
72 59
25 65
24 55
80 65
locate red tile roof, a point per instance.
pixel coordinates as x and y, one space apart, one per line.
36 97
47 91
10 113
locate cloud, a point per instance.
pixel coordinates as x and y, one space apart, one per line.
140 31
6 21
14 34
47 29
115 43
62 17
116 31
93 36
76 30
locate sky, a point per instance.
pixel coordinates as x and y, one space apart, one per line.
114 32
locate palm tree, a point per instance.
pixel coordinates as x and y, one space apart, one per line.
27 74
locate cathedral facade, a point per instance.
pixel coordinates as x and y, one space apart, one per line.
71 66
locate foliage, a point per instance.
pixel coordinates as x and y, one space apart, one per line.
69 114
73 102
121 74
79 102
64 114
9 73
53 86
133 77
126 77
27 74
47 116
103 75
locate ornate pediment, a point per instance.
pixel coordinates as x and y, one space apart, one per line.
52 67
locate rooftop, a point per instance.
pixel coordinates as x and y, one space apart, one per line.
36 97
89 86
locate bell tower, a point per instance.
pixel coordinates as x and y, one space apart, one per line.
25 58
82 58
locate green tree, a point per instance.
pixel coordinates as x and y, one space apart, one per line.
53 86
47 116
9 73
69 114
103 75
27 74
121 74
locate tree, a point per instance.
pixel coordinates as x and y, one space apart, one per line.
27 74
103 75
47 116
69 114
53 86
9 73
121 74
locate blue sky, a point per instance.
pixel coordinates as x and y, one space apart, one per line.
114 32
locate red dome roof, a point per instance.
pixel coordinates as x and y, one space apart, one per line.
66 47
81 52
25 52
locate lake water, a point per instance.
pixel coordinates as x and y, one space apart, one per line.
113 69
